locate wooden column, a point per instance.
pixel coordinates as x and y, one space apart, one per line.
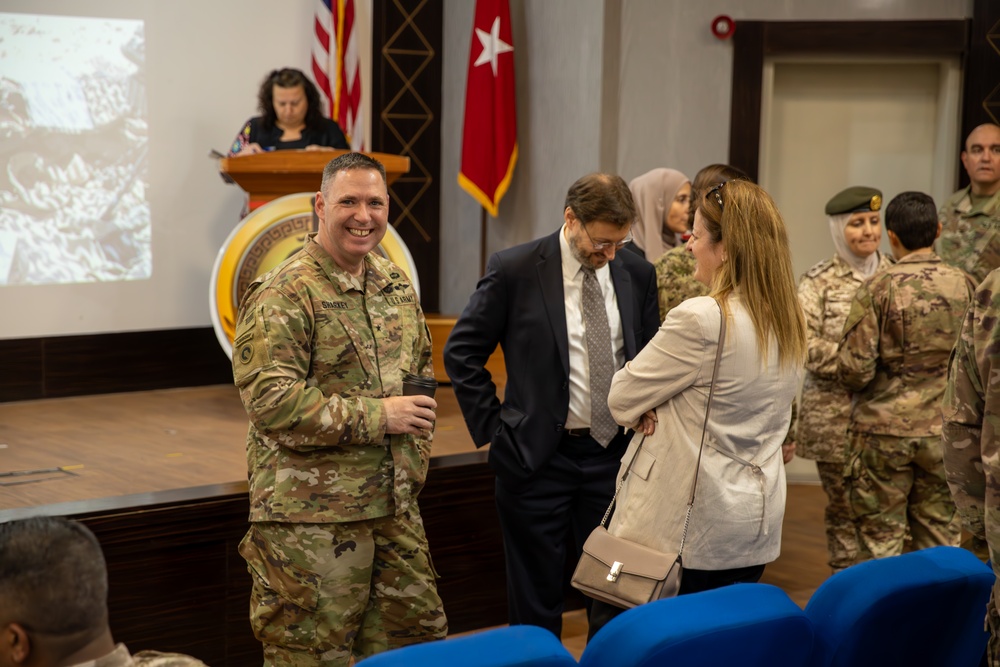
981 94
406 120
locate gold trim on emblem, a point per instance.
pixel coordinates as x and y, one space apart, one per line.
264 239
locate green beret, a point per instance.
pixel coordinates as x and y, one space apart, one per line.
854 199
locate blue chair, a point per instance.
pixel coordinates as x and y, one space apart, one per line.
921 608
514 646
751 625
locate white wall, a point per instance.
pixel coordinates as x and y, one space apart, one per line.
673 110
558 61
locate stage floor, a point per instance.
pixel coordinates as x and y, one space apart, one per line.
90 447
98 447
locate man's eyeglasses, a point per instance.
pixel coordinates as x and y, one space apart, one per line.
604 245
717 191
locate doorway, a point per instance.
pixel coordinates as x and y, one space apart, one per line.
829 123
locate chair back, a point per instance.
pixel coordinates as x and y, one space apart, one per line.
921 608
513 646
751 625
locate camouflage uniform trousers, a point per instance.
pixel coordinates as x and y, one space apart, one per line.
841 534
992 625
324 592
898 494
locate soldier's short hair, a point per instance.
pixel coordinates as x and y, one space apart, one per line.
604 197
912 217
53 578
707 178
349 162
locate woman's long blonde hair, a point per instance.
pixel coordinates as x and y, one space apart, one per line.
758 263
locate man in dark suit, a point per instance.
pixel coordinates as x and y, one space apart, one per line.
567 312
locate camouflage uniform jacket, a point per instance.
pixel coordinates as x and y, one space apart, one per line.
675 279
897 341
971 411
315 350
120 657
970 235
825 293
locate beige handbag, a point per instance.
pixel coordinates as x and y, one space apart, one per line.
626 574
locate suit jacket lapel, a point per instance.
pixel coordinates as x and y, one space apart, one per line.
623 291
550 280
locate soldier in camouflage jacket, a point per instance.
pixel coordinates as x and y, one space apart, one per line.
675 279
970 219
894 355
970 436
825 293
336 549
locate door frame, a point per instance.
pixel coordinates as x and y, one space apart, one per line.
756 40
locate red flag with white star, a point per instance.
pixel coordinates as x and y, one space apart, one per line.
489 139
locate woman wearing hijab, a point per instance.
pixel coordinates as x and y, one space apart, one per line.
825 293
662 197
675 280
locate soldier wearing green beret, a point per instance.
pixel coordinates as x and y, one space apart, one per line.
336 550
825 292
893 356
970 219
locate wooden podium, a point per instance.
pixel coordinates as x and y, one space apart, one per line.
267 176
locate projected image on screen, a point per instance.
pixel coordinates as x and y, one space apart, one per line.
73 151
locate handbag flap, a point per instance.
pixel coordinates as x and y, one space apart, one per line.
635 558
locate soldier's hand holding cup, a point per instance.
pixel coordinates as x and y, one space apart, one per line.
413 412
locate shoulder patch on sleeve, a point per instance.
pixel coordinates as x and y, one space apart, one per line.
250 347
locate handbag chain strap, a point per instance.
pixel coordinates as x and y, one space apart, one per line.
701 448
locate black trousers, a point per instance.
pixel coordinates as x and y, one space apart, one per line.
692 581
546 520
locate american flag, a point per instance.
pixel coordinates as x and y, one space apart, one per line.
336 68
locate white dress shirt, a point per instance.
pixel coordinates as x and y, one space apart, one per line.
579 361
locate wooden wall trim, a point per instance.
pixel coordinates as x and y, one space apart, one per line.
407 39
756 40
178 583
898 38
61 366
981 75
745 104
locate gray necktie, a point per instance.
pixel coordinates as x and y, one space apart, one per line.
602 361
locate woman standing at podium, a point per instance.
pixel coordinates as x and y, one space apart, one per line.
290 118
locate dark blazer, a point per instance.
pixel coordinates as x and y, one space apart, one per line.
519 305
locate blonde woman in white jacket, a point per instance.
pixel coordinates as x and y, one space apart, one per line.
740 246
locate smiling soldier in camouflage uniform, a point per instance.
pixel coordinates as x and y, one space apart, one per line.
894 355
970 219
336 549
970 436
825 293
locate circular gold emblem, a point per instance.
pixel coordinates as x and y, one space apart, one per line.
246 353
262 240
876 202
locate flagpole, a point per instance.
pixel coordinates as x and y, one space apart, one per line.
482 241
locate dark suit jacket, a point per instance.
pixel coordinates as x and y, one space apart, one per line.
519 305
